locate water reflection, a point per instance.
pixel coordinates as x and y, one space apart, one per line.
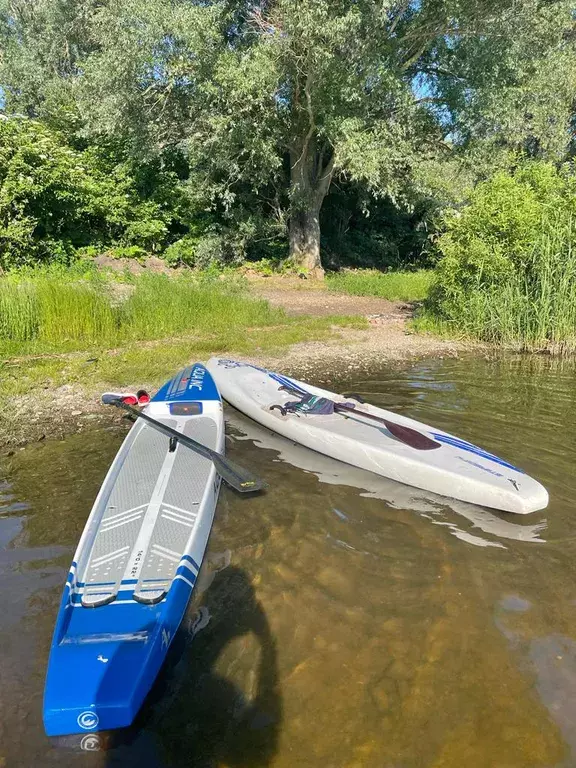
428 505
355 622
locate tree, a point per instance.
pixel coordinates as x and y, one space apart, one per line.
284 98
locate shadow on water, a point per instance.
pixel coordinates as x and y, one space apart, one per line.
194 716
411 630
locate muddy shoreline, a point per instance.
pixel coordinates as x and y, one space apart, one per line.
54 413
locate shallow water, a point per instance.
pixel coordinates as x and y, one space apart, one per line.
349 621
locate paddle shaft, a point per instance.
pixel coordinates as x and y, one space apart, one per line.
236 477
406 435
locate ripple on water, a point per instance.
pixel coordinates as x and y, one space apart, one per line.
352 612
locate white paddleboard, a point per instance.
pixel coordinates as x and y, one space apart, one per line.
377 440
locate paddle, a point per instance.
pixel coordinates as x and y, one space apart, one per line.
235 476
405 435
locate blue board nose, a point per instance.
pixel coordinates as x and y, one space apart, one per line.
192 383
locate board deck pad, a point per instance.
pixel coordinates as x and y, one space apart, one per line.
123 517
178 510
158 490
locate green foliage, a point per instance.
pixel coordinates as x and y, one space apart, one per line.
181 253
57 201
507 272
148 234
273 266
394 286
492 239
126 252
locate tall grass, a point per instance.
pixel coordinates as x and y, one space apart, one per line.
534 309
19 310
49 309
162 306
394 286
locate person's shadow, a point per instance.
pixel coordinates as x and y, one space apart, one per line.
193 716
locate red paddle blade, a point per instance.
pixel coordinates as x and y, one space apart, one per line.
411 437
130 399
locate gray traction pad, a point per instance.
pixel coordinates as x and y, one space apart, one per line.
129 503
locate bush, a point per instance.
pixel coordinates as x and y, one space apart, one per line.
56 199
148 234
493 238
182 252
199 251
507 272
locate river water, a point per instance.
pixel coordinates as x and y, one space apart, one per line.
342 620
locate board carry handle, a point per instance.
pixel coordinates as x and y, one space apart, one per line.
234 475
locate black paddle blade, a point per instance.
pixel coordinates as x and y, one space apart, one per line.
233 474
411 437
236 476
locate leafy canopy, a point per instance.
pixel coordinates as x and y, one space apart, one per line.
273 100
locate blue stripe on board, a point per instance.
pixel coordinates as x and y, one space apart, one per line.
191 560
186 573
455 442
287 383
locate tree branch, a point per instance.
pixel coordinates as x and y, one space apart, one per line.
398 18
326 179
312 126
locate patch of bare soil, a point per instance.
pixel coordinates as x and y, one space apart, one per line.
318 303
387 338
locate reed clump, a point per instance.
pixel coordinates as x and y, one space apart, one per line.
532 308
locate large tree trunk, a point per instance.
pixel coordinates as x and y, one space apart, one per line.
305 241
310 179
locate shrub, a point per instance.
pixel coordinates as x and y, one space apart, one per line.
199 251
492 239
507 272
148 234
182 252
56 199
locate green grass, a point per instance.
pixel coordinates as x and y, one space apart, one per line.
533 310
49 312
395 286
59 329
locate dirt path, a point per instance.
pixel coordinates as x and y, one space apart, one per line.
312 301
387 338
